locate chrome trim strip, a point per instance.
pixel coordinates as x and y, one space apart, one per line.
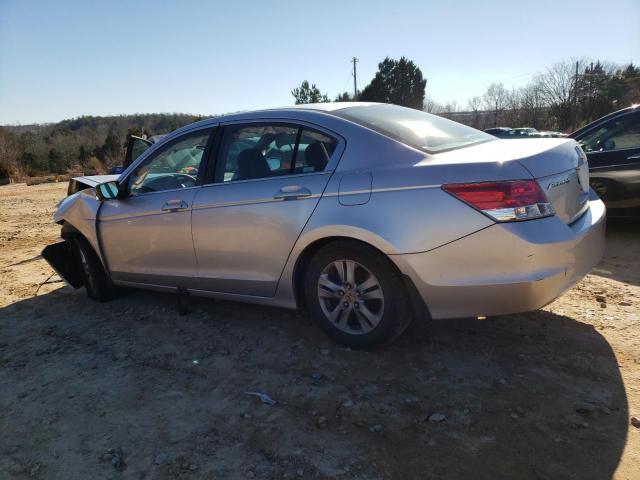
602 167
264 179
252 202
382 190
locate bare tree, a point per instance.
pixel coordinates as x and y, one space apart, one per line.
451 107
512 108
9 152
559 90
431 106
495 99
474 104
532 105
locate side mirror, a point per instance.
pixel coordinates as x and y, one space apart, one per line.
108 191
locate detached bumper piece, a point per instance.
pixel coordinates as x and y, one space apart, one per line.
63 259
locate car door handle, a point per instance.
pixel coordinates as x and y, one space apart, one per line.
292 192
173 205
634 157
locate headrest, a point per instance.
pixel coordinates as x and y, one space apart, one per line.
316 156
251 164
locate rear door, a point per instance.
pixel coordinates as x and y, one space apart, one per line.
268 179
146 236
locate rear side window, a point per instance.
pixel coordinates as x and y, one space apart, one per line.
253 151
418 129
314 151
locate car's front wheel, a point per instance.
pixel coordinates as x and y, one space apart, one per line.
96 280
356 295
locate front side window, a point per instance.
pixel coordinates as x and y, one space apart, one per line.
416 128
138 147
173 167
617 134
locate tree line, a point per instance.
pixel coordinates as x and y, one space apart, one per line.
397 81
87 143
566 96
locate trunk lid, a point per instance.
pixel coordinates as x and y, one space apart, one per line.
562 172
558 165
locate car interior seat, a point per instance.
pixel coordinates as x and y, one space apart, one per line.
251 164
316 156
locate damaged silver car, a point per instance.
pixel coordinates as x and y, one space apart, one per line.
367 215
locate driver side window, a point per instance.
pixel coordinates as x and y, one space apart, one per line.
617 134
174 166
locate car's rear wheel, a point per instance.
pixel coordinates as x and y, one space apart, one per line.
356 295
606 189
96 281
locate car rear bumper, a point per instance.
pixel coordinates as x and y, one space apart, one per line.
508 267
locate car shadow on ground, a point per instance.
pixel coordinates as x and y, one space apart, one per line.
130 389
623 251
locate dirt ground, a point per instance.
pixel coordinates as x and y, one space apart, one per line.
130 389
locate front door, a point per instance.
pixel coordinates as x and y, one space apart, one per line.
268 180
613 150
146 236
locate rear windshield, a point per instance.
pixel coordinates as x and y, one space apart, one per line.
418 129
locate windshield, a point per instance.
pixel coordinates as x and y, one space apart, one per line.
416 128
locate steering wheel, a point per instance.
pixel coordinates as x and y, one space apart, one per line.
168 182
185 180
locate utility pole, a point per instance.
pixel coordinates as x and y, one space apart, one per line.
575 98
355 79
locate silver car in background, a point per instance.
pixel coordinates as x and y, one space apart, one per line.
367 215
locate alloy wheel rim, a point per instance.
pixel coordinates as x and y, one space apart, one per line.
350 297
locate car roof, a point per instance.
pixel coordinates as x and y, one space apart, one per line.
329 106
296 110
314 107
305 112
589 126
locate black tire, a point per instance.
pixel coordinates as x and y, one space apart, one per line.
607 190
395 310
96 281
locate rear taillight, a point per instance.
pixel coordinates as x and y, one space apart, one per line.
504 201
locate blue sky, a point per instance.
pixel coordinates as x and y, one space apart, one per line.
62 59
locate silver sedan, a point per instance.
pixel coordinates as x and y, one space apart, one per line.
367 215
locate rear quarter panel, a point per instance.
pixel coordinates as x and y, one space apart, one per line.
407 210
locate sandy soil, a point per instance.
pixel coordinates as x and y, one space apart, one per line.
132 390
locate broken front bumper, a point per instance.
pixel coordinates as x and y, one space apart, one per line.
63 259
